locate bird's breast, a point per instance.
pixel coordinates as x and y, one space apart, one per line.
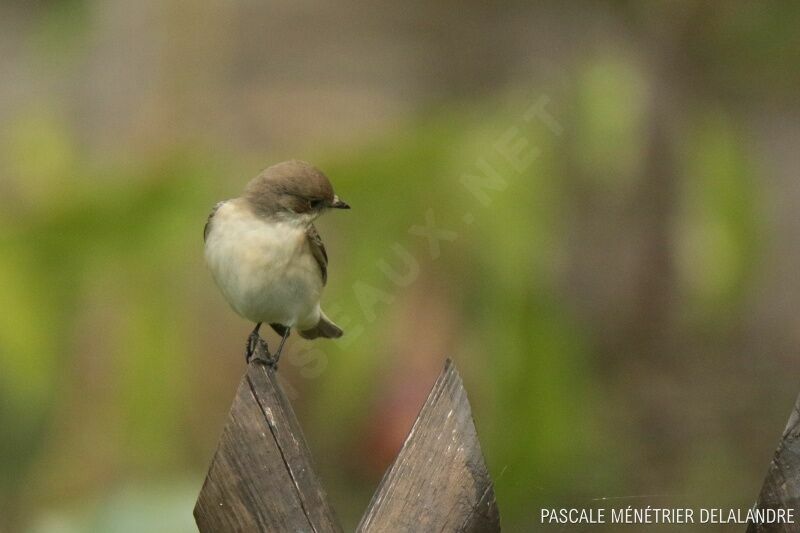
264 268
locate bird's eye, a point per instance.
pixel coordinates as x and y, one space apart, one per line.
315 204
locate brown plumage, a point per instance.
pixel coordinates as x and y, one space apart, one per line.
294 186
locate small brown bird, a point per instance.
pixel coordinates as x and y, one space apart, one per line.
266 255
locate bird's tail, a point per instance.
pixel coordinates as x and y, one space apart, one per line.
324 328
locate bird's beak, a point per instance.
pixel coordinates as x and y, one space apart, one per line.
339 203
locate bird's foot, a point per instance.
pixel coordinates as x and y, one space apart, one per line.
258 351
277 356
250 347
274 360
256 347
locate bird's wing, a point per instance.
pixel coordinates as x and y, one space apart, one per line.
318 251
321 256
207 227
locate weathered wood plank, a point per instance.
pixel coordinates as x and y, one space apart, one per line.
261 477
439 481
781 489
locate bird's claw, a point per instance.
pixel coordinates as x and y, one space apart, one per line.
258 351
250 348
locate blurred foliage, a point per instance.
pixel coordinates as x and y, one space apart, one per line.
719 230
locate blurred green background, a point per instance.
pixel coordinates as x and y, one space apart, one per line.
623 305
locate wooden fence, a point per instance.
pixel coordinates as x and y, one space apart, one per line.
781 489
262 479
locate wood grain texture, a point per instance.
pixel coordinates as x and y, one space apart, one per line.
439 481
781 487
261 478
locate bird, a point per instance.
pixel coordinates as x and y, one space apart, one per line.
267 257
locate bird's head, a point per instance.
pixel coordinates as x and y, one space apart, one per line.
293 190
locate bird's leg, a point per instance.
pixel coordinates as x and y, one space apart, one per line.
253 341
280 346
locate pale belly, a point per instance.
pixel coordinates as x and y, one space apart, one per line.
265 271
